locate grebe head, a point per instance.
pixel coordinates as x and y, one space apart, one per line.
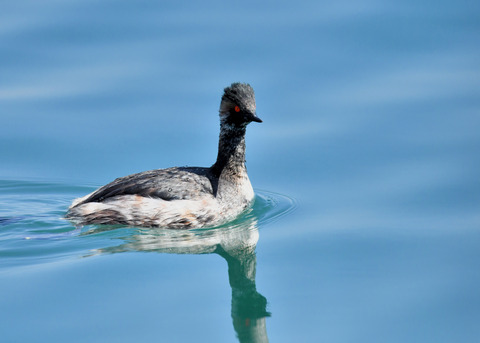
238 105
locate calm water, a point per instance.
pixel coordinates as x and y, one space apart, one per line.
366 225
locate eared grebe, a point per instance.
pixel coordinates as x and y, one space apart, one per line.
182 197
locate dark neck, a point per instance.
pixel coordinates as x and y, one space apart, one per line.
231 150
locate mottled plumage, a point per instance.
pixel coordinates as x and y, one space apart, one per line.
182 197
178 183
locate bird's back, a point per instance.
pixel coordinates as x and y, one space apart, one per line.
178 183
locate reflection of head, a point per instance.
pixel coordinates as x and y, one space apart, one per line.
248 306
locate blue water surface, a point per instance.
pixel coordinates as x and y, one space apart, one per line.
366 224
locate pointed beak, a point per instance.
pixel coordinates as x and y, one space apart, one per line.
253 117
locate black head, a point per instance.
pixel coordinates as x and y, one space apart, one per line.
238 105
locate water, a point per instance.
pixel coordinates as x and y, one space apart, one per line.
366 223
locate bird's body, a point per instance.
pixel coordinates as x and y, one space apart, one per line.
182 197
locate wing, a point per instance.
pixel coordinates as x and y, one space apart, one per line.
182 183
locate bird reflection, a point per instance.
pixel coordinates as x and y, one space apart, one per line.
236 243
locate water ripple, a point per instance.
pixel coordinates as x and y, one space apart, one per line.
33 230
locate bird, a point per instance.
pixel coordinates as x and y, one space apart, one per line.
182 197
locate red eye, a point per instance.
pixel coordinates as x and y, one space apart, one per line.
237 109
